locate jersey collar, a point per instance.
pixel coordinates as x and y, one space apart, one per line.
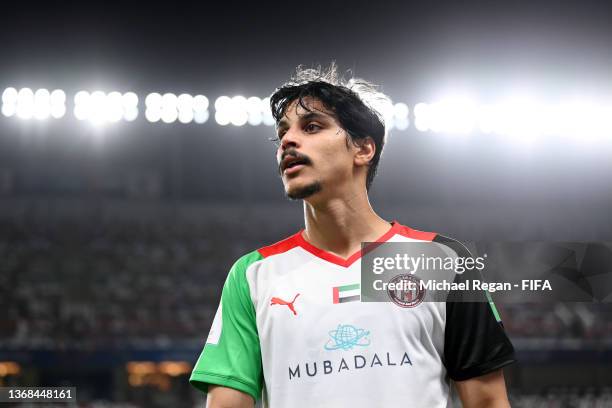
335 259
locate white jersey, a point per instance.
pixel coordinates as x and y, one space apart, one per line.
291 329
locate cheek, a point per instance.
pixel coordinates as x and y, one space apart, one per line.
337 159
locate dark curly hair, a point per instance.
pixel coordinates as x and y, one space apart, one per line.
356 104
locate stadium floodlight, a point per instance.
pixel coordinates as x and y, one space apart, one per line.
268 119
585 119
255 118
519 117
200 103
42 95
81 98
58 97
400 110
387 113
25 103
401 123
57 100
81 105
99 107
42 104
9 96
130 114
129 100
169 112
456 115
96 110
223 103
238 111
9 110
153 115
422 114
200 116
184 102
184 105
200 109
185 115
9 102
254 108
25 94
223 110
395 116
222 118
169 101
113 107
153 100
58 110
169 108
169 115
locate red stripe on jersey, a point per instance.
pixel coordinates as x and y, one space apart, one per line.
298 240
415 234
280 247
329 257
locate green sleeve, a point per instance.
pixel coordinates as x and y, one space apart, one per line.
232 355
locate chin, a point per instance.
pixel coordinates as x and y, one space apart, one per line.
303 191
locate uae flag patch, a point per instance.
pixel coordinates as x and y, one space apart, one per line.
347 293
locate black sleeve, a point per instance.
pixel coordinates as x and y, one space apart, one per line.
475 342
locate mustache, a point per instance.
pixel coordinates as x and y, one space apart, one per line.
295 154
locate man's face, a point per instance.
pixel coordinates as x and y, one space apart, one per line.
313 155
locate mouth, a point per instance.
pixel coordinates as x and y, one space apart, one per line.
291 165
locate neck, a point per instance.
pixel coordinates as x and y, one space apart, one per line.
339 225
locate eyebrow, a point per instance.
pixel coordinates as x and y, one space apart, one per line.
283 124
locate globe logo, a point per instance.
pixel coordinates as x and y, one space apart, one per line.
345 337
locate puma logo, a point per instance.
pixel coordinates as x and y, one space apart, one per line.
279 301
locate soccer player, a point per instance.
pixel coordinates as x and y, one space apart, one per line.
291 328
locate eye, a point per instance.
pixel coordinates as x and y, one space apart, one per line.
312 127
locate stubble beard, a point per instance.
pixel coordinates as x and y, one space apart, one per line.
304 192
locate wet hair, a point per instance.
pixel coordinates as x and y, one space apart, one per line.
357 104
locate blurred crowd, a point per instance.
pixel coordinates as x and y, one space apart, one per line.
89 282
563 397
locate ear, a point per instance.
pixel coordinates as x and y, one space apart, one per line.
365 150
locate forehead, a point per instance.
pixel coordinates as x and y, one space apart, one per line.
309 107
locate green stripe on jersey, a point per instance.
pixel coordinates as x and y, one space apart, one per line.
233 358
493 308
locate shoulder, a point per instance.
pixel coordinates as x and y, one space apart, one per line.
253 257
451 243
412 233
281 246
456 246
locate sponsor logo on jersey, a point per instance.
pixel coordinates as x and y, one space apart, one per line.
412 295
346 293
279 301
349 363
346 337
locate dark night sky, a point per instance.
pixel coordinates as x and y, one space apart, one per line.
411 47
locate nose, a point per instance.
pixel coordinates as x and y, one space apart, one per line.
290 139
